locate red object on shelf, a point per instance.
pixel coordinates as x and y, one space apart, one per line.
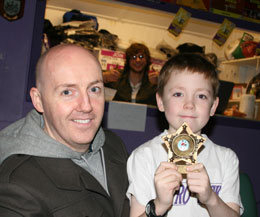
249 48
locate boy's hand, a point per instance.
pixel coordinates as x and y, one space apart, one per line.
167 180
198 182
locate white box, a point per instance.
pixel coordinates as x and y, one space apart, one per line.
110 59
156 64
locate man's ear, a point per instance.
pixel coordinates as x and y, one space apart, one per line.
159 102
214 106
36 99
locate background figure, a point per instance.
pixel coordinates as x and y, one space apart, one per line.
134 83
187 92
58 161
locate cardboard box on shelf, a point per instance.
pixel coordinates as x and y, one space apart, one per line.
238 90
110 59
156 64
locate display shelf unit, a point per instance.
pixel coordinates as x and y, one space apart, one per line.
239 70
250 61
238 100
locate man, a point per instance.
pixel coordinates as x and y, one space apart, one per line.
135 83
58 161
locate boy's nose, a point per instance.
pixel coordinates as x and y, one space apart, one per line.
188 104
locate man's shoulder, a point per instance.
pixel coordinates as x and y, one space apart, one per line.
114 144
109 132
11 164
20 166
112 137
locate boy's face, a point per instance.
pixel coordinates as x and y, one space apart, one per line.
187 97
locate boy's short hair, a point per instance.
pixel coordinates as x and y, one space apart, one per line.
194 63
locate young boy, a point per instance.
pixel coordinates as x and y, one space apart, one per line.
187 92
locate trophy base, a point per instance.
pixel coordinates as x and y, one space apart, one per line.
182 168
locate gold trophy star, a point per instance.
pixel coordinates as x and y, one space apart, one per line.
183 146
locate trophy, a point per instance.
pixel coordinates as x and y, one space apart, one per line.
183 146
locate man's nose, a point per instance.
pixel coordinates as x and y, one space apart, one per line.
84 103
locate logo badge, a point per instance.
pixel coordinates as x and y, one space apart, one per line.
12 9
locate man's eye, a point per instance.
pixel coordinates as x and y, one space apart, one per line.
66 92
95 89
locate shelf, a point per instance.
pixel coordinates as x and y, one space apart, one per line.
199 14
238 100
250 61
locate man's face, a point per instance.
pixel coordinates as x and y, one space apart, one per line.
72 99
138 62
187 97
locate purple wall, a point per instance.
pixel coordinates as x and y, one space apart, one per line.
20 46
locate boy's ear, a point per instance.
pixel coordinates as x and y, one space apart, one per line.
214 106
159 102
36 99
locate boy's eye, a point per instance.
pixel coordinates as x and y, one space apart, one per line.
66 92
202 96
177 94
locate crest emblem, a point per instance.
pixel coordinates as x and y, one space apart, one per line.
12 9
183 147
